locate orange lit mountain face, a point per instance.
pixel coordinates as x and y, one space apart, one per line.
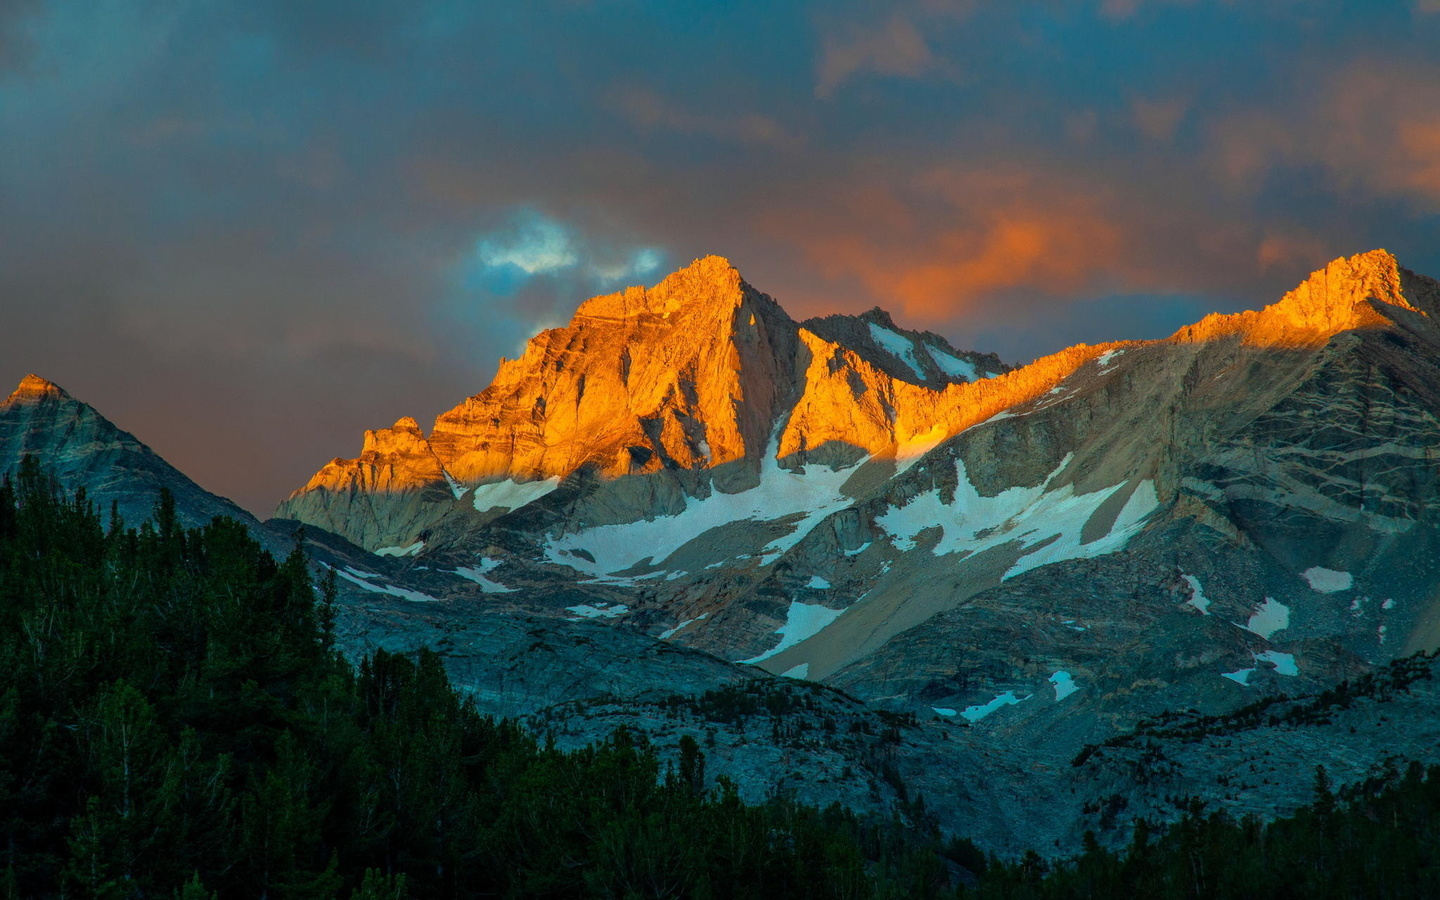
701 371
693 374
1365 291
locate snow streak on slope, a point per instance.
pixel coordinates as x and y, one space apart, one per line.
478 574
953 366
1064 684
1197 595
898 346
1046 523
808 495
976 713
803 620
509 494
357 577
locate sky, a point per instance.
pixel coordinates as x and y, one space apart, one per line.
247 230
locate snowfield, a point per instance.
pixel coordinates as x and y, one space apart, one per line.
809 496
1046 523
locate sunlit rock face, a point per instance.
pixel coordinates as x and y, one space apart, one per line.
696 374
1368 290
688 374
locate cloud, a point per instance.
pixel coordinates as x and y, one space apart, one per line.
1119 10
941 243
896 45
1158 119
1372 127
648 110
533 244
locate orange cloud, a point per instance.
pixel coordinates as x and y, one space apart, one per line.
994 231
1374 127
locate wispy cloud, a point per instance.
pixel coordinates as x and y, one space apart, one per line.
896 42
650 111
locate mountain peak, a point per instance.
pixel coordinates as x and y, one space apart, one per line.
710 281
1359 291
33 387
1334 298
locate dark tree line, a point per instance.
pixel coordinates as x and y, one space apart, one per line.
1380 839
175 722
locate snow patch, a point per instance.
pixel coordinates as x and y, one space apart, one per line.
1197 595
1284 663
858 550
802 620
599 610
478 573
669 633
1272 616
818 583
456 487
509 494
401 551
976 713
354 576
801 671
943 710
1327 581
1241 676
1050 521
897 345
1064 685
807 496
953 366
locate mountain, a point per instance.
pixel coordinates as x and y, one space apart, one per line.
82 448
1053 552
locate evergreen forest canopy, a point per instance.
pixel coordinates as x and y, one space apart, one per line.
175 721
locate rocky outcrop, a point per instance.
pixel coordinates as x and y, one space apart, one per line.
396 486
916 357
691 373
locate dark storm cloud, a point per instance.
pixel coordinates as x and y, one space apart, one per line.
248 230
